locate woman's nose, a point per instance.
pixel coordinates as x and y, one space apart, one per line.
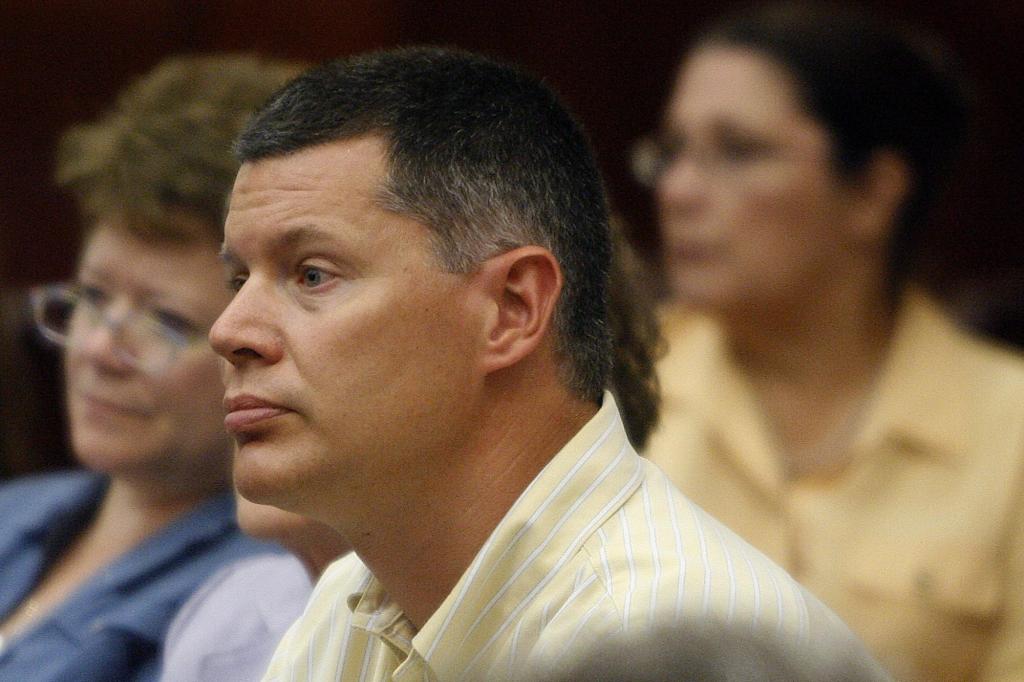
682 185
99 337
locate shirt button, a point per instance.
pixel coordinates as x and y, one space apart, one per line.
924 583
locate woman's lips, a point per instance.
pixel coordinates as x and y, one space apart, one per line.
102 405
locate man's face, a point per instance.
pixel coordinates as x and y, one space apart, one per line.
351 353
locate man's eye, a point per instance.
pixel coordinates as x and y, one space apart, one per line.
235 282
311 276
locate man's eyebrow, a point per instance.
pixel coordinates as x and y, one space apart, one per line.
285 239
302 234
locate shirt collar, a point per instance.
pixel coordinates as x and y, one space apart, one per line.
52 500
41 513
373 611
207 523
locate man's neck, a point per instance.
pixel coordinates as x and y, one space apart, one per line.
420 553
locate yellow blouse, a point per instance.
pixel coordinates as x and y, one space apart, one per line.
919 543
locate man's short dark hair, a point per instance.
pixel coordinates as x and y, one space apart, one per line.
483 154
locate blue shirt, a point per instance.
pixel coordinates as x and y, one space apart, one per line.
112 626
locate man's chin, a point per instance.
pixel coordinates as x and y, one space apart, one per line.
255 489
259 483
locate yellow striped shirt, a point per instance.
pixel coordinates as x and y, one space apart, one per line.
599 544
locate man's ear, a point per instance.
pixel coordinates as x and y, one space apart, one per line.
522 287
882 189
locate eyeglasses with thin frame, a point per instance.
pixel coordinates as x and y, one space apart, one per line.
652 155
145 338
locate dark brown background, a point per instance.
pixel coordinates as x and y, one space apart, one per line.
63 60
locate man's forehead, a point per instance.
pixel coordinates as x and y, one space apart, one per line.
324 161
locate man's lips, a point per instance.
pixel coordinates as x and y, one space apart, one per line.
246 411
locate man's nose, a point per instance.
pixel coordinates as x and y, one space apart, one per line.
246 330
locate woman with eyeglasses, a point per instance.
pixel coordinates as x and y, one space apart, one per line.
93 564
814 399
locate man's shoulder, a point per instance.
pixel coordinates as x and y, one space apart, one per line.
663 558
326 612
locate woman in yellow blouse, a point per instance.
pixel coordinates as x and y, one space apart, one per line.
812 399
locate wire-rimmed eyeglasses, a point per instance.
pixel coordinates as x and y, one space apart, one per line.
648 160
723 156
144 338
